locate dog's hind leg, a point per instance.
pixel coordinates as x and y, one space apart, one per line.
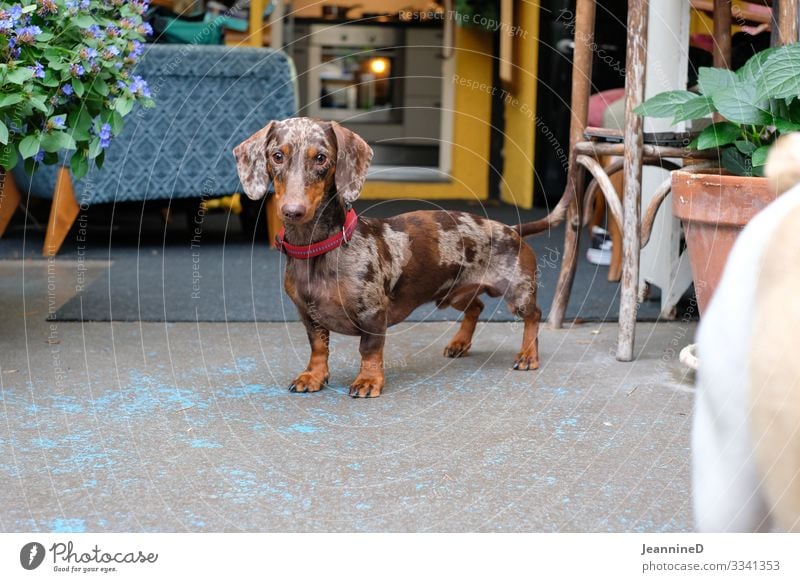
521 299
472 306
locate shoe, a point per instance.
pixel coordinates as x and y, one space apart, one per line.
600 251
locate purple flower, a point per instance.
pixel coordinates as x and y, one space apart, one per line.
47 7
135 50
110 52
76 69
67 89
57 121
141 5
105 135
139 87
145 29
39 156
38 70
27 34
94 31
87 53
112 31
6 23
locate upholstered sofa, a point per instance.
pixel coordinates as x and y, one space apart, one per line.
208 99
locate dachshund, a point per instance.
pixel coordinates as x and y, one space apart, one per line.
357 276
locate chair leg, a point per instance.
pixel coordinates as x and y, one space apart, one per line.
579 107
572 235
633 138
63 212
615 269
9 199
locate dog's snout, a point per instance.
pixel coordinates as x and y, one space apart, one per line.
293 212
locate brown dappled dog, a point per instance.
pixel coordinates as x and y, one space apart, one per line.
358 276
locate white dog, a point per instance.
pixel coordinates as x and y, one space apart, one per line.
746 436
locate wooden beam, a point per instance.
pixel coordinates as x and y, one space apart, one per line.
787 21
723 20
63 212
9 199
255 37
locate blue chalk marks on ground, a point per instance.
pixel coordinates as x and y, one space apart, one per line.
62 525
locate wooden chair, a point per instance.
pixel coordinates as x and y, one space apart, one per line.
585 153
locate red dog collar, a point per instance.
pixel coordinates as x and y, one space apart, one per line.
323 246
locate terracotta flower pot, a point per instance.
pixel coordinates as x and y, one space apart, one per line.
714 208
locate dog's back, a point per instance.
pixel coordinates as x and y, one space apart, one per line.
746 437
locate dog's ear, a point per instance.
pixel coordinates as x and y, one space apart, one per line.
251 163
352 161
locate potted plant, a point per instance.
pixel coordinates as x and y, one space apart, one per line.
758 103
67 80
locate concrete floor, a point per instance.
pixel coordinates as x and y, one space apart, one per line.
189 427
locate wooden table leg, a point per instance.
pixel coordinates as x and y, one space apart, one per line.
63 212
9 199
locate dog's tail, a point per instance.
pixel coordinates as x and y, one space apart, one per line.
555 217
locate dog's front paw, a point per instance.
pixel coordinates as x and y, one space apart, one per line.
367 387
456 349
308 382
526 361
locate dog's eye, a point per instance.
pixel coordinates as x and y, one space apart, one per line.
277 157
320 159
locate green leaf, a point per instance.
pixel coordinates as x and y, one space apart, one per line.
29 146
77 85
739 103
123 105
696 108
38 102
83 20
786 126
666 104
58 140
19 75
79 165
8 157
80 122
718 134
744 146
116 123
3 133
10 99
44 36
98 161
736 162
760 155
753 69
780 74
711 80
94 148
100 87
50 79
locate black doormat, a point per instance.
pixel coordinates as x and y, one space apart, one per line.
159 275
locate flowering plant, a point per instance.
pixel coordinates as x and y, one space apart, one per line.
66 78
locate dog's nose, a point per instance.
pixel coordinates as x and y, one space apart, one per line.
293 211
